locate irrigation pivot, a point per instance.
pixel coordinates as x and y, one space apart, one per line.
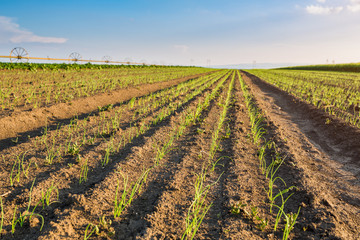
106 59
18 55
75 57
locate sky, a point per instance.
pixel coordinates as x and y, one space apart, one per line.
187 32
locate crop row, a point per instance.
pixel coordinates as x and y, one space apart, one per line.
336 93
47 147
128 191
270 160
199 206
37 89
72 138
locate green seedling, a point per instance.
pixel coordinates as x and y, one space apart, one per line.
26 215
106 225
239 207
254 212
73 149
90 230
263 223
281 208
84 172
129 191
47 195
290 221
198 207
15 140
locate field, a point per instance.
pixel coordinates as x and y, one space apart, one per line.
178 153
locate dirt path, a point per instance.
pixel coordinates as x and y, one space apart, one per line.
327 157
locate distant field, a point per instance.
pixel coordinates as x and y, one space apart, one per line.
30 86
337 93
348 67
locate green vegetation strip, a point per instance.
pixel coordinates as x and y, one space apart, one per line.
336 93
348 67
40 88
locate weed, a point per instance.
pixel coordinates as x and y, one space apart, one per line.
239 207
105 108
73 149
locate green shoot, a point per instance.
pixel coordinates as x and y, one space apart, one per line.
90 229
47 195
128 193
83 172
27 214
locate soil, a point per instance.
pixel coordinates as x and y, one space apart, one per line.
322 161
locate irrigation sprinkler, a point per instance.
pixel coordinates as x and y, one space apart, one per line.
106 59
75 57
19 55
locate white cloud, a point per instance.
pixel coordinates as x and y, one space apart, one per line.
354 6
320 10
11 32
321 1
183 48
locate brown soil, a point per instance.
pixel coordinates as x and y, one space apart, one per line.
327 190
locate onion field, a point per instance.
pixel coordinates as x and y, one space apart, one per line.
153 152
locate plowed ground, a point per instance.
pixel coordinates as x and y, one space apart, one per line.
327 189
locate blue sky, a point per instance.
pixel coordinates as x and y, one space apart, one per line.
187 32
